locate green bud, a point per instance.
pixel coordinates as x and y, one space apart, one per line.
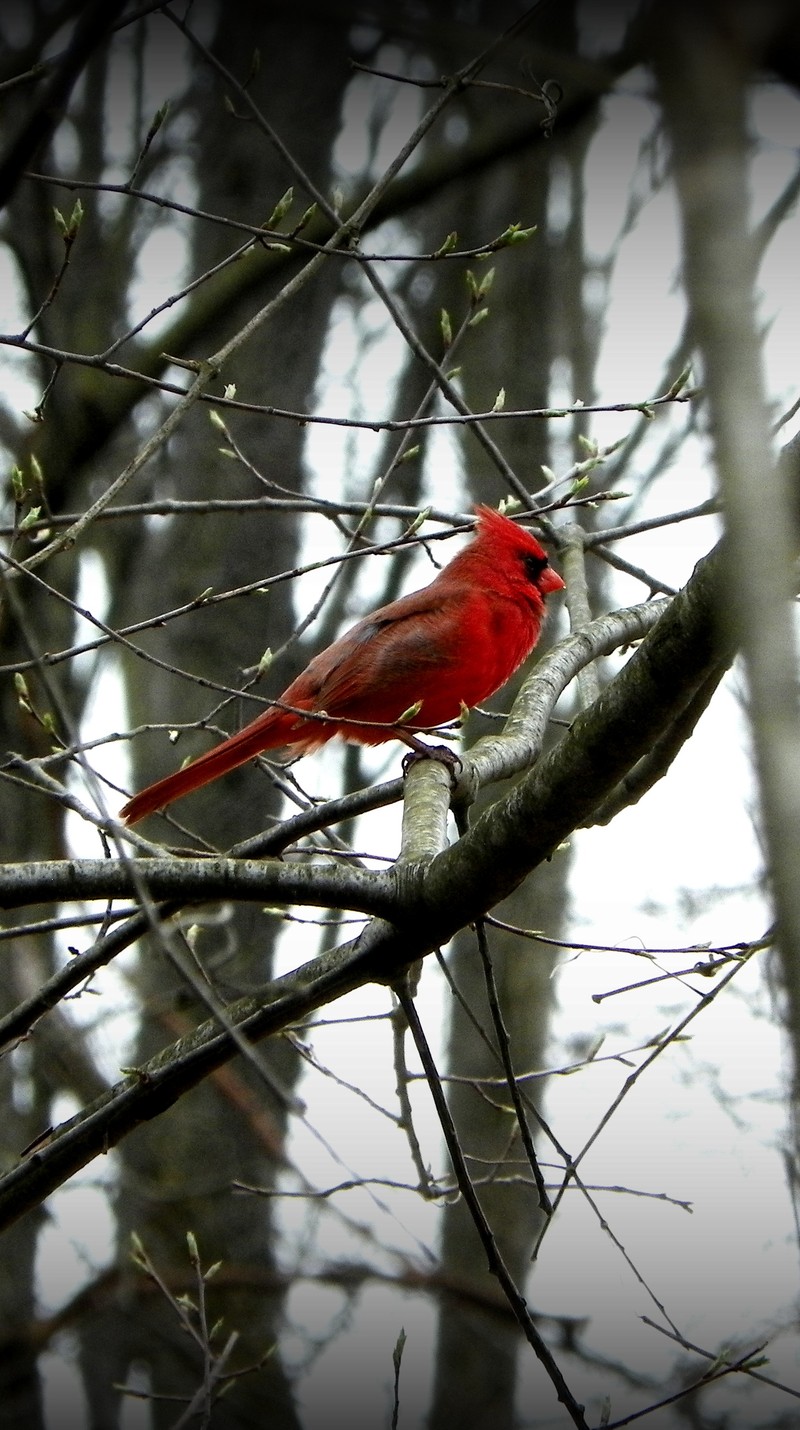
680 382
419 520
515 234
485 284
448 245
409 713
305 218
75 219
281 209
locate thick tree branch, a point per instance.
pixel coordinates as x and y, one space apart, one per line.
191 880
565 787
658 760
434 900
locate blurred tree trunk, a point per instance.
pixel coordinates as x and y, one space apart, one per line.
54 1060
175 1175
476 1359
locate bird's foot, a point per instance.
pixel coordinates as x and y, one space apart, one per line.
442 753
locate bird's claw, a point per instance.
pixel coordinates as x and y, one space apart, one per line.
442 753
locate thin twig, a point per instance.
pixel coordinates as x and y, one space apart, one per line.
497 1266
504 1049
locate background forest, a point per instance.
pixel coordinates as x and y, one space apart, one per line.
324 1103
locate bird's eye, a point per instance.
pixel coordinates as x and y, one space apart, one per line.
534 566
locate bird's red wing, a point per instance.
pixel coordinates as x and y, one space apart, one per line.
392 659
438 647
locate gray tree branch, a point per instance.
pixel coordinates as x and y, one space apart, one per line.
432 900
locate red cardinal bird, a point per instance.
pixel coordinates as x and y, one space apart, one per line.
454 643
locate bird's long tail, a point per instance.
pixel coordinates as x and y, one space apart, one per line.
270 731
